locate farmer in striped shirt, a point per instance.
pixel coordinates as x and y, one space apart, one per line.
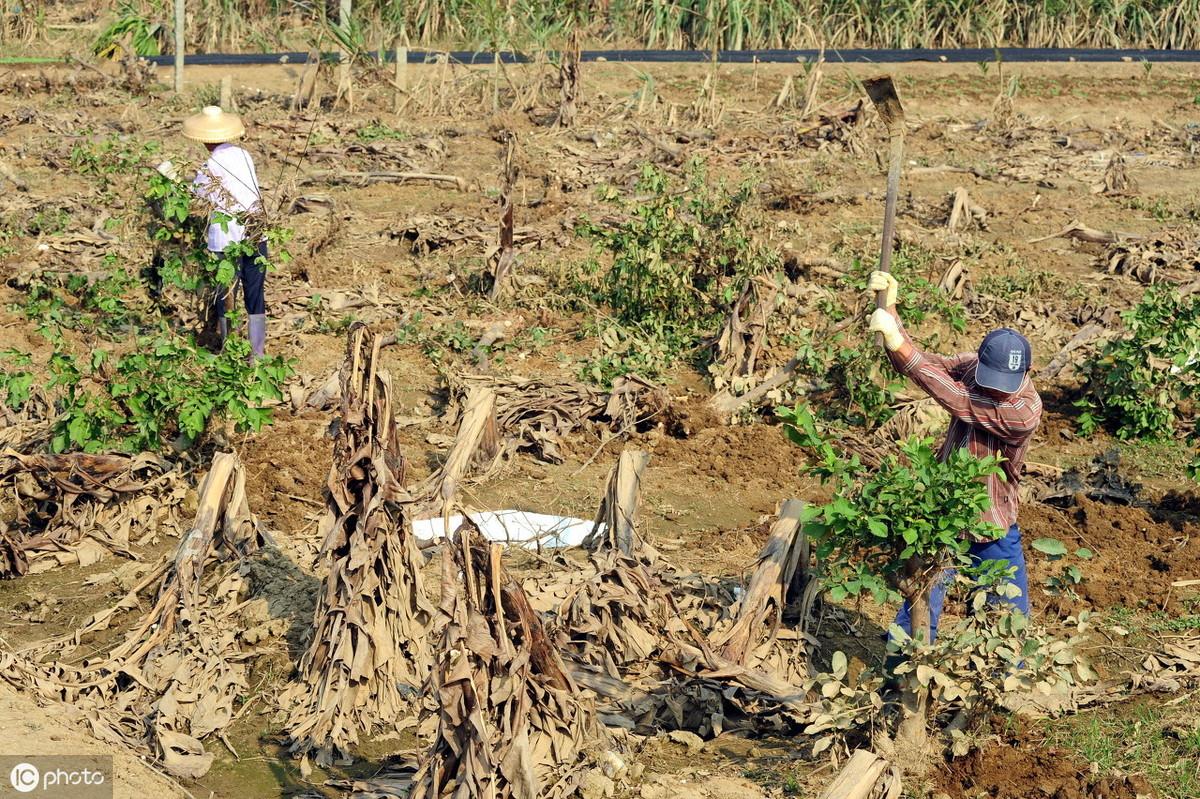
993 408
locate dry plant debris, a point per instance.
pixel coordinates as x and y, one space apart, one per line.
616 613
368 655
78 508
1170 256
782 579
744 334
511 722
476 445
508 175
173 678
1116 181
535 414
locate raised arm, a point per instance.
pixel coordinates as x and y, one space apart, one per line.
1008 419
941 379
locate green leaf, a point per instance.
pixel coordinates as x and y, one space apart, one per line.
1050 546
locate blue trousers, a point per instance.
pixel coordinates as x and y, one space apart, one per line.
1008 549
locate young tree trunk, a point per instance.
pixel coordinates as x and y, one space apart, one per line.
914 701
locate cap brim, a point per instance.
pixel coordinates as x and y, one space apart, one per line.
1008 382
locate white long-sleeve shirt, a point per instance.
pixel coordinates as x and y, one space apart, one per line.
228 181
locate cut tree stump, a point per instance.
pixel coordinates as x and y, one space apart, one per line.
618 510
505 256
780 571
477 444
859 777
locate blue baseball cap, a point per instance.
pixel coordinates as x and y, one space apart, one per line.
1004 359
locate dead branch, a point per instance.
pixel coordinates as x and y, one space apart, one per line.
184 654
476 443
338 176
964 212
1063 357
535 414
78 508
1117 181
568 82
744 333
1080 232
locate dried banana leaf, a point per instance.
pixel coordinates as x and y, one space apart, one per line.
744 334
78 508
535 415
368 655
510 723
174 677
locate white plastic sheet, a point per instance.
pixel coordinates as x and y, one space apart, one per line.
516 527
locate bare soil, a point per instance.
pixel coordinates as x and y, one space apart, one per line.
710 487
1004 771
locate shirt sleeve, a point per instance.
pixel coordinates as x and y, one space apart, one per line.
941 379
202 184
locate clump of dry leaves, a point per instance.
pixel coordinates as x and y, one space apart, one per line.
511 721
535 414
368 655
186 651
79 508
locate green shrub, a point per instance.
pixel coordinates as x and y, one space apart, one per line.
17 381
676 260
166 387
913 508
1136 382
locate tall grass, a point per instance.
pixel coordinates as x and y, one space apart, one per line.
706 24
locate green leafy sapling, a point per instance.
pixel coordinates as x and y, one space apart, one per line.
892 532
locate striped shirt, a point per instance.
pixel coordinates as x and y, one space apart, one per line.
983 425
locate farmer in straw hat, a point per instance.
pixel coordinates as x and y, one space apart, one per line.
993 408
228 182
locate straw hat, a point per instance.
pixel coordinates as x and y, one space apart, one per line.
213 126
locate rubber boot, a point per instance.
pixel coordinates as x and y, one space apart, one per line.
222 331
258 335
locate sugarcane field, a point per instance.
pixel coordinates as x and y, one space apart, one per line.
616 399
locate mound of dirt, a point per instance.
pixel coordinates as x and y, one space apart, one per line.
1006 772
1136 557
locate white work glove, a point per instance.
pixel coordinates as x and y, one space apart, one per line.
168 171
883 281
884 323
